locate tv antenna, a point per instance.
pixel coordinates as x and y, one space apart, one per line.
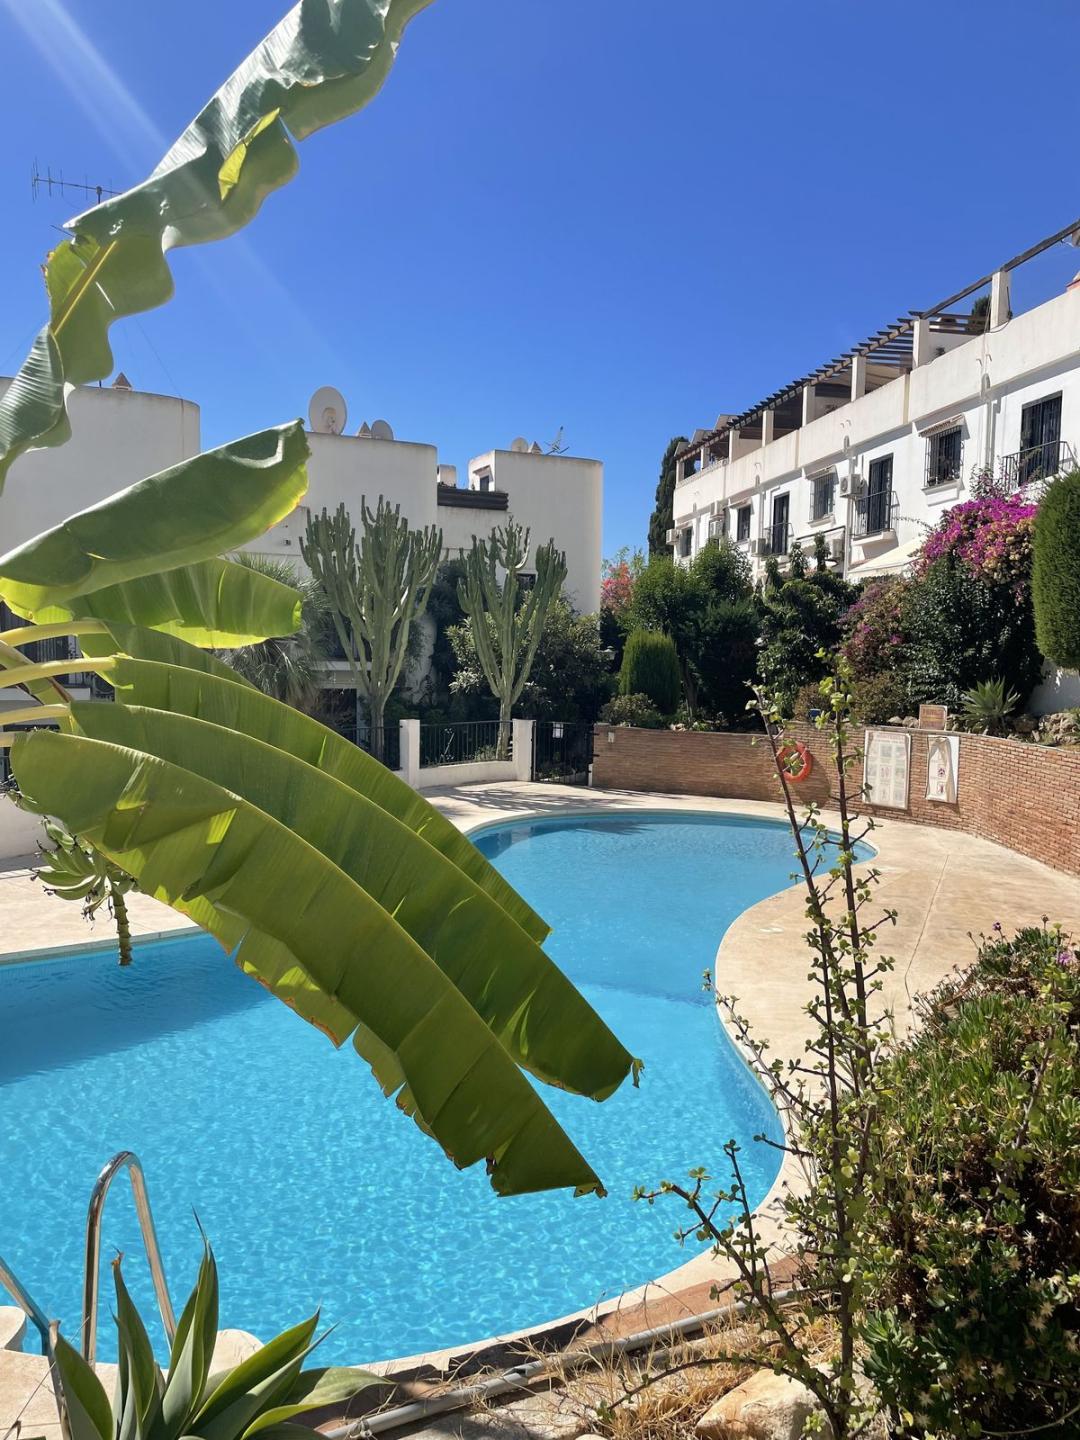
50 182
557 446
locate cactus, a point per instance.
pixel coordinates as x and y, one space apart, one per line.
376 591
506 628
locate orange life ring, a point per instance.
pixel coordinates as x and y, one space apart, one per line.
788 752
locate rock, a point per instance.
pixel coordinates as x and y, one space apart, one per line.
12 1327
231 1348
765 1407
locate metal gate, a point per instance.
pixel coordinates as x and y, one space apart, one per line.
562 751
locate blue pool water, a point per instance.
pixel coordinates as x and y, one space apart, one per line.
312 1188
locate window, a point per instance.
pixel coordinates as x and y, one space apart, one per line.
1040 440
484 481
526 580
944 454
742 522
683 541
874 511
779 528
821 500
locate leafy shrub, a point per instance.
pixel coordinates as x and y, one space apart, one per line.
873 627
1056 581
636 710
877 699
651 667
958 629
972 1205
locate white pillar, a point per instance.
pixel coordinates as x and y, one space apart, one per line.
409 731
732 442
704 458
807 404
523 749
999 299
768 426
858 376
920 341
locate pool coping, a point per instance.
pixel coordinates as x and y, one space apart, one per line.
907 854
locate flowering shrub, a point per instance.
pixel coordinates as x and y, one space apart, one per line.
972 1206
990 536
617 588
873 627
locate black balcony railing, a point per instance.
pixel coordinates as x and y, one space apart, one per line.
465 743
875 513
777 538
1039 462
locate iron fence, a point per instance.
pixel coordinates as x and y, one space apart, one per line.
465 742
562 751
389 752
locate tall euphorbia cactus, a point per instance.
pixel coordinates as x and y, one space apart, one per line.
507 628
376 591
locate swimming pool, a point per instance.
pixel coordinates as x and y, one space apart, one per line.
311 1187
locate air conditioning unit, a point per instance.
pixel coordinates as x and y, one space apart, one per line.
670 537
850 484
836 547
718 526
756 547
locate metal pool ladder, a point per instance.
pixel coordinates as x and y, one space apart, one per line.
128 1160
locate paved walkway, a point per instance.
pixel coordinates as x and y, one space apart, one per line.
946 886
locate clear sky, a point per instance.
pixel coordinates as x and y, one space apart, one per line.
617 216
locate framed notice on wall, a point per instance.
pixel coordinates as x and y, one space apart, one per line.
887 768
943 768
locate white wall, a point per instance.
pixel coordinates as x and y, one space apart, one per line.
20 833
117 438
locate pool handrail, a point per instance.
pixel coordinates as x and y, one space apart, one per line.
128 1160
26 1303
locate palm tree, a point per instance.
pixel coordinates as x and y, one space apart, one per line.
287 668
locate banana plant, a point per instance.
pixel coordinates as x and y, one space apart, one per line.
329 880
73 870
259 1397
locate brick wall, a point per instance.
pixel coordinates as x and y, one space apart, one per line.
1026 797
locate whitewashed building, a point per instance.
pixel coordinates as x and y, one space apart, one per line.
121 435
870 449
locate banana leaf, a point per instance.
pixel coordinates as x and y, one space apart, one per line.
178 677
189 513
324 61
182 836
524 998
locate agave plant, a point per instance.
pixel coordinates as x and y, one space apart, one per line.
988 706
328 879
260 1396
73 870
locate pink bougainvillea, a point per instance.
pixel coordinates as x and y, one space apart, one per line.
989 536
617 587
873 627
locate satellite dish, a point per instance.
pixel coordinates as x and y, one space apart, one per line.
520 445
328 411
380 430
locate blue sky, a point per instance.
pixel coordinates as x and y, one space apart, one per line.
618 216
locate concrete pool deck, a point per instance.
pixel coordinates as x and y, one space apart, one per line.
945 885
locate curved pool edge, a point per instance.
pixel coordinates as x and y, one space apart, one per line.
914 862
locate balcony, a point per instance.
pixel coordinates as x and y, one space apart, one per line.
875 514
1039 462
776 540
